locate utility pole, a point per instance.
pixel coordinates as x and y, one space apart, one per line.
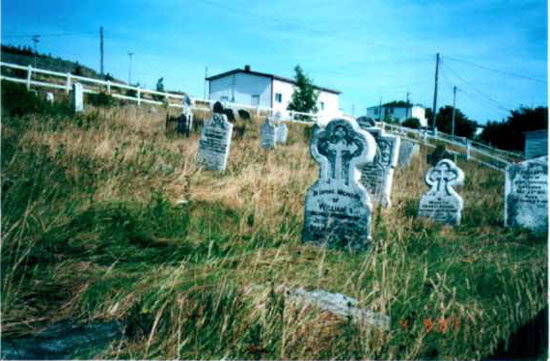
454 111
408 106
205 81
101 50
434 111
36 39
380 110
130 69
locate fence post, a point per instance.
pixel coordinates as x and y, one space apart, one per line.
68 84
29 74
468 149
109 86
138 96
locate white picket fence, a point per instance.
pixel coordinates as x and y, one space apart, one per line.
479 152
64 81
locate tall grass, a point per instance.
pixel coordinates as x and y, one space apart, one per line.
104 216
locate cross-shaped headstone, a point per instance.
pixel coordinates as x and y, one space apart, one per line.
442 203
338 208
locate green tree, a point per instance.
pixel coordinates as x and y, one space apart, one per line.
509 133
304 98
464 127
412 123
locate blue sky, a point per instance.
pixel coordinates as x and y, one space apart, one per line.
368 49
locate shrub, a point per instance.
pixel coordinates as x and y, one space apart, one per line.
412 123
101 99
23 102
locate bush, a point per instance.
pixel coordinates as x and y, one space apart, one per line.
412 123
101 99
17 101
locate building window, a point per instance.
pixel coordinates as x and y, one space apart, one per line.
278 97
255 100
322 105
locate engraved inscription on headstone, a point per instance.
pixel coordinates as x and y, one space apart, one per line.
377 176
281 133
441 203
526 194
338 208
215 142
77 97
268 137
407 150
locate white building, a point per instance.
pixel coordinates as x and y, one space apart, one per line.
257 89
398 111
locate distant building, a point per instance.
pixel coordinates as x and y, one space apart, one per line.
252 88
536 143
398 111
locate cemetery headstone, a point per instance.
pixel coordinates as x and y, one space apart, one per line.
281 133
366 122
439 153
49 97
407 150
268 137
220 108
185 120
215 142
77 97
377 176
526 194
442 203
338 208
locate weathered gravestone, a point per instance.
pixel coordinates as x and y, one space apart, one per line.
50 97
269 138
77 97
407 150
377 176
215 142
185 120
281 133
219 108
337 207
526 194
439 153
366 122
441 203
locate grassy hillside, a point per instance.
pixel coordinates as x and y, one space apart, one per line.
105 217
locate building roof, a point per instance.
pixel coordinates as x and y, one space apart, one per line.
272 76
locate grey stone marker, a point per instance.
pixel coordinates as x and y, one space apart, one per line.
377 176
441 203
407 150
185 120
215 142
337 207
50 97
77 97
269 138
281 133
526 194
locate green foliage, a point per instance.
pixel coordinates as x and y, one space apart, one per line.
101 99
411 123
509 134
396 103
160 88
464 127
23 102
304 98
132 92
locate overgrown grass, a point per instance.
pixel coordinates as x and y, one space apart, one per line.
105 217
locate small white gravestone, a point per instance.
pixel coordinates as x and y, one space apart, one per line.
49 97
377 176
526 194
281 133
441 203
215 142
337 207
185 120
407 150
269 139
78 97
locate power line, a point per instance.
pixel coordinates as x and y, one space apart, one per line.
496 70
44 35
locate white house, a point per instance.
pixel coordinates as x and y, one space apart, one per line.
398 111
252 88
